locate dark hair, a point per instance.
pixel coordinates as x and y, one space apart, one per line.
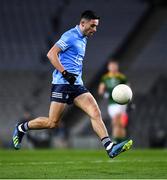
113 61
88 14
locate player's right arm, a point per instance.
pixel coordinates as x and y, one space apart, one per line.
62 44
54 59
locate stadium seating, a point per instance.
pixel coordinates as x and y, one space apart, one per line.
150 121
151 61
154 52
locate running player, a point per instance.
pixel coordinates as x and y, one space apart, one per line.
67 86
116 111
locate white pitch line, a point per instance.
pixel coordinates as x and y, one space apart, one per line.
77 162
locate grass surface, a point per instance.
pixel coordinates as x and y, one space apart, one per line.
84 164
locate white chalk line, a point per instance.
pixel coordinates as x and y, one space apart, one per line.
76 162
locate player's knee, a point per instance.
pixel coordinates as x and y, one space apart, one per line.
96 113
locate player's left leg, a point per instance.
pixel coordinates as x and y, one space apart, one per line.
89 105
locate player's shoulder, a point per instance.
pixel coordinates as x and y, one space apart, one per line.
107 75
71 33
110 74
121 75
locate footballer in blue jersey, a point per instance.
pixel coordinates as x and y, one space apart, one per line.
67 56
73 46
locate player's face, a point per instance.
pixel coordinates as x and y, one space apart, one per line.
90 26
113 67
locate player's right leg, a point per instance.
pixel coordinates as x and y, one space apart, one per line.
88 104
55 112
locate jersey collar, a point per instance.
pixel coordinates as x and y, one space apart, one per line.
79 31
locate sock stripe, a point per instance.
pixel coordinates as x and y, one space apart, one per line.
109 146
20 128
25 125
105 140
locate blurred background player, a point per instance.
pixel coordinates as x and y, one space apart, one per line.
117 112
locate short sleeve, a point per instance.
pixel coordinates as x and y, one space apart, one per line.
64 42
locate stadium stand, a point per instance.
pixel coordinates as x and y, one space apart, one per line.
153 118
152 59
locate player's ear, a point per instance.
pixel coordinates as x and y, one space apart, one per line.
82 22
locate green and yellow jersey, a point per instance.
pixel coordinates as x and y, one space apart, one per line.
111 80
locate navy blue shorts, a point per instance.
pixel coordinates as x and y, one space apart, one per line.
66 93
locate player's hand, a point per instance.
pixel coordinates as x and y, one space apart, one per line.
70 77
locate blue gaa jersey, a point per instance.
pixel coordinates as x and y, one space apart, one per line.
73 45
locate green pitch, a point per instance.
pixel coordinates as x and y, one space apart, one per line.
82 164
